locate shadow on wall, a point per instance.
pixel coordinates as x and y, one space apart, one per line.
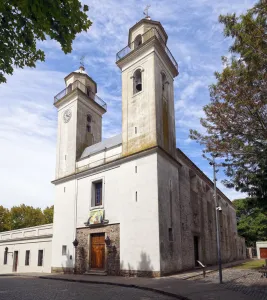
144 267
68 267
145 262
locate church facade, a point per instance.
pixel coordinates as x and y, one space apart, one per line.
133 204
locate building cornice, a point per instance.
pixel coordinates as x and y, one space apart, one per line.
74 95
153 42
84 75
204 177
150 22
36 237
117 163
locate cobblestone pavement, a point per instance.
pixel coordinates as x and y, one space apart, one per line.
14 288
248 282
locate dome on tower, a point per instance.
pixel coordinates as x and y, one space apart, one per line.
81 70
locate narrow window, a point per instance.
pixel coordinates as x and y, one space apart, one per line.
40 257
164 86
64 250
69 89
97 193
5 256
88 91
137 81
89 121
64 189
135 169
135 130
170 235
27 258
135 196
137 41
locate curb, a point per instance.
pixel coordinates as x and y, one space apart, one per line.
118 284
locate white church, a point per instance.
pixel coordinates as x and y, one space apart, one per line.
133 204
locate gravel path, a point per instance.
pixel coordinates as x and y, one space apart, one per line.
248 282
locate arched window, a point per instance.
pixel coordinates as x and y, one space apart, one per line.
137 41
137 81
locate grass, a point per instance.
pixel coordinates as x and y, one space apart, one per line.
252 264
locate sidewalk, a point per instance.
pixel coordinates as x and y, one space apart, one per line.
177 288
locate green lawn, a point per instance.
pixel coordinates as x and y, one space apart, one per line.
253 264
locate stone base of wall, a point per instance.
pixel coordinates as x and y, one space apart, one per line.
112 252
136 273
62 270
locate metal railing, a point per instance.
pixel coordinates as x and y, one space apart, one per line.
86 90
98 162
203 268
152 32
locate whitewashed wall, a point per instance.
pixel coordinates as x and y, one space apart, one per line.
33 239
64 224
260 244
139 235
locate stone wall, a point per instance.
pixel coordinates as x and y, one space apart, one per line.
112 253
190 212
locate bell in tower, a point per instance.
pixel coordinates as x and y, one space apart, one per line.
137 81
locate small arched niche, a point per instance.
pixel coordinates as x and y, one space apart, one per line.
137 41
164 85
89 91
137 81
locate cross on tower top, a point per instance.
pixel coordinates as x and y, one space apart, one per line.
82 61
146 11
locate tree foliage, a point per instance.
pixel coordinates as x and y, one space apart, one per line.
24 22
48 214
24 216
236 118
251 220
4 219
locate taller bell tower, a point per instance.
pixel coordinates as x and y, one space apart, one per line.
148 71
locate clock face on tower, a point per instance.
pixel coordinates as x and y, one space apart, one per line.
67 115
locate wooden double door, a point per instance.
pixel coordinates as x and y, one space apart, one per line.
98 251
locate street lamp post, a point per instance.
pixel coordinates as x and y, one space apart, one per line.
217 208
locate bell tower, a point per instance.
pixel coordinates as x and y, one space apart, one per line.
148 71
80 113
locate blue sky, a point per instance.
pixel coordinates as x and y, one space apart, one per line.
28 118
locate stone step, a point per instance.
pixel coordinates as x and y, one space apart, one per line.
96 272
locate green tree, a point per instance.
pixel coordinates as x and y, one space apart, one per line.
49 214
236 117
251 220
25 216
4 219
24 22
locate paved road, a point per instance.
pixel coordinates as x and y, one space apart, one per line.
26 288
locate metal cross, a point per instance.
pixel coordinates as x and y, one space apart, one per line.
82 60
146 11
